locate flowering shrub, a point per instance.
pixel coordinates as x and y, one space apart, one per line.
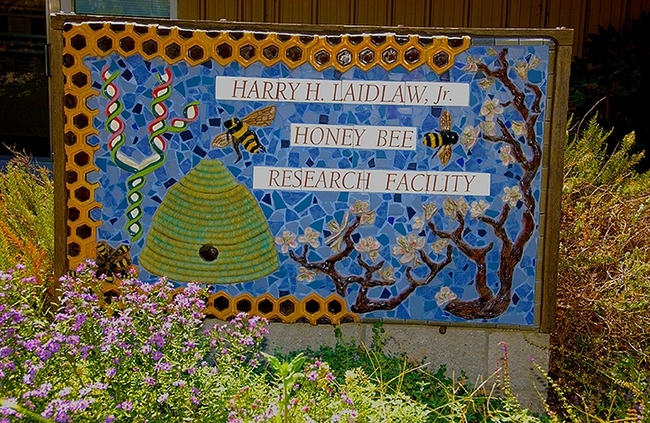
148 357
143 356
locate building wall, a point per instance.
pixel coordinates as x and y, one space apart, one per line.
584 16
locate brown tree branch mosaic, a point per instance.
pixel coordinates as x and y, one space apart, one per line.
411 249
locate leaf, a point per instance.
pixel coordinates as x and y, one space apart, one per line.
297 363
273 361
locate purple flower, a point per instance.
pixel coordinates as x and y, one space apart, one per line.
58 410
41 392
162 366
28 378
345 398
45 389
43 354
126 405
111 372
85 351
6 407
80 319
158 340
163 397
248 340
110 419
79 405
65 392
54 347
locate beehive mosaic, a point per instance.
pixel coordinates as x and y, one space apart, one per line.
317 178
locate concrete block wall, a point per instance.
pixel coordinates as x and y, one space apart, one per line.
474 351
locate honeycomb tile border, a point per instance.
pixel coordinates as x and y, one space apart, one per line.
342 52
312 309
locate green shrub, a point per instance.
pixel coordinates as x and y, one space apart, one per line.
27 217
601 349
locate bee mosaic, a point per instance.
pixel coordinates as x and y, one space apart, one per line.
110 261
442 140
239 132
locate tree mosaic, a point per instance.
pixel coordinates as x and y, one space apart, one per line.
517 143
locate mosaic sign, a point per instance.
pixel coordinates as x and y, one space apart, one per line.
318 178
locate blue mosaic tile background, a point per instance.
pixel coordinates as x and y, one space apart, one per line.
295 211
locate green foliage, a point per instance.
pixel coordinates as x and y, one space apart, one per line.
141 358
602 347
588 165
447 400
27 217
395 370
287 375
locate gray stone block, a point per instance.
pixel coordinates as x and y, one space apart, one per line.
458 348
522 349
289 337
